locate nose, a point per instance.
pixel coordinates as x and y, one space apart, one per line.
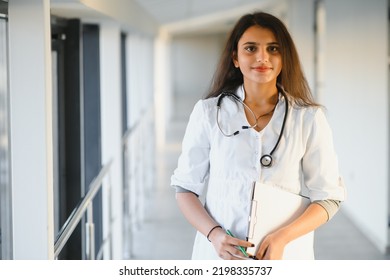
262 55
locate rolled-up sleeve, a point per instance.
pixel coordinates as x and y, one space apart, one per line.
320 163
193 164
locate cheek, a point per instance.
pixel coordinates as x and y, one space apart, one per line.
279 66
245 61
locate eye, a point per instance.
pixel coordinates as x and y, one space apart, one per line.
273 49
250 48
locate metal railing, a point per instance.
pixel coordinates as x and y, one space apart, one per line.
138 162
137 181
85 206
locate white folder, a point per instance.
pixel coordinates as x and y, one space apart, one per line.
272 208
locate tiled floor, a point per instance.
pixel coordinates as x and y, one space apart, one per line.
165 234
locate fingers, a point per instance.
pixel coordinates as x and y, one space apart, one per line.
237 247
238 242
228 247
243 243
233 254
270 250
262 253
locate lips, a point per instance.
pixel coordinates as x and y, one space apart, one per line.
262 68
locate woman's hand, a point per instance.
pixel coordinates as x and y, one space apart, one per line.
272 247
226 246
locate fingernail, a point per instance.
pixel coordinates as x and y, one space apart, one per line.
252 245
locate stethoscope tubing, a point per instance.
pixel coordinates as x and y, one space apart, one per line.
284 122
265 160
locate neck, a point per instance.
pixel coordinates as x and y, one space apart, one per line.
260 94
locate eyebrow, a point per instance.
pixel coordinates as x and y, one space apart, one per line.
255 43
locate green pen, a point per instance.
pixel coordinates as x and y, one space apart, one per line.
239 247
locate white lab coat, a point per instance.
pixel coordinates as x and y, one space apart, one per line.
223 168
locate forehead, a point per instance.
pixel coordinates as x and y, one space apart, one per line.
257 34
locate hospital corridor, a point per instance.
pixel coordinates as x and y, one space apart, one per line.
95 97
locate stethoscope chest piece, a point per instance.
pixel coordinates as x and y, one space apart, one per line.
266 160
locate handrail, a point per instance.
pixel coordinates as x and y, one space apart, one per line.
135 125
77 214
129 132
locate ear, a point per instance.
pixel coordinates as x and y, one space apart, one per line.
235 60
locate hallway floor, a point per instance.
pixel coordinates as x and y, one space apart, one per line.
166 235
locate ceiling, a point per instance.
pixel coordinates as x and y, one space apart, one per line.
184 16
168 11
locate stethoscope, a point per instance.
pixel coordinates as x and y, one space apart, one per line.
265 160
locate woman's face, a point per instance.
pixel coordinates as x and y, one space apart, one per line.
258 56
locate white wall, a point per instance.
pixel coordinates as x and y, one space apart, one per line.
138 100
110 77
300 21
31 129
162 85
356 95
194 60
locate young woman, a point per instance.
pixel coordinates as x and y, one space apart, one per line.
265 128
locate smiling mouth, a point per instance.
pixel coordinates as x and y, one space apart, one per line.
262 69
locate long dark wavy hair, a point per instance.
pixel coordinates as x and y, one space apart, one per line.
227 77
